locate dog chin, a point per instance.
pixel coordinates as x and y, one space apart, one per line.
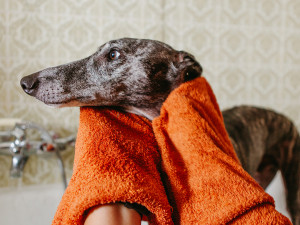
65 104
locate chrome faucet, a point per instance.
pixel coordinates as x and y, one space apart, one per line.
19 159
20 148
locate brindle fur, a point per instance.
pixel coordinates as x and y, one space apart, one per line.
138 81
266 141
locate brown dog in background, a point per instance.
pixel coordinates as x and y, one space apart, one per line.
266 141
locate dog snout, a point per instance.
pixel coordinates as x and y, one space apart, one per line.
30 83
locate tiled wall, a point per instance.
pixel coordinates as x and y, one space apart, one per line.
250 50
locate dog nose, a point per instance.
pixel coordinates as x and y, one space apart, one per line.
30 83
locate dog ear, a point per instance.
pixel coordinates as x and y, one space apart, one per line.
188 66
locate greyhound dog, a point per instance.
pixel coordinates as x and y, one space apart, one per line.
266 141
135 75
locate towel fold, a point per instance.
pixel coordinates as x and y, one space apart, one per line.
116 160
204 180
182 167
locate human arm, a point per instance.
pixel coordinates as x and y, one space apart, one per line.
112 214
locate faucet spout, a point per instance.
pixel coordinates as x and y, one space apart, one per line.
17 165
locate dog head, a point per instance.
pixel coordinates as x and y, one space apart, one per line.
135 74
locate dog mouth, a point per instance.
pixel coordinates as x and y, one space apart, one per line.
67 103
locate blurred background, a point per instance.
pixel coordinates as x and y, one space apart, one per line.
249 50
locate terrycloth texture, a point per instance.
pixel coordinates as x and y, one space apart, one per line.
205 183
116 160
194 170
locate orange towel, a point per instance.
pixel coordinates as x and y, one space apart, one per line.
184 173
116 160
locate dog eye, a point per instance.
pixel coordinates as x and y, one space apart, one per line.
114 54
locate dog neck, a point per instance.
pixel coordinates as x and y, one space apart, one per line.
148 113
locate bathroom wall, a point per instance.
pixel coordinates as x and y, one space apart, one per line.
249 51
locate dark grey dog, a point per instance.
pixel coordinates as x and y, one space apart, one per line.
134 74
266 141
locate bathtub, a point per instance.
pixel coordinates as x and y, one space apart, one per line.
34 205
